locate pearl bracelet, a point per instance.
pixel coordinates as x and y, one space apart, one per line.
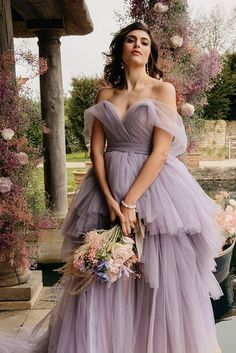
131 207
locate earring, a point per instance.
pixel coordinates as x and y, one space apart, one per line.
122 66
147 70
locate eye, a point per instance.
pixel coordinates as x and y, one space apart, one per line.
145 43
129 40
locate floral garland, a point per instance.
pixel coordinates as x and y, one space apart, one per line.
17 160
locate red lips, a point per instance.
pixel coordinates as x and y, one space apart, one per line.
136 51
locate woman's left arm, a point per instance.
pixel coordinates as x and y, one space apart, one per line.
150 170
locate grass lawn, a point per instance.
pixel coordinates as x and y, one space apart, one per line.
77 157
36 188
70 179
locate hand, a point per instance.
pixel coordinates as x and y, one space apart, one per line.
130 220
114 210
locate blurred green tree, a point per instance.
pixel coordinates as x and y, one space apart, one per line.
84 90
222 98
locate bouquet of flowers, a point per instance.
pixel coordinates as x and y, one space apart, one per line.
105 255
227 216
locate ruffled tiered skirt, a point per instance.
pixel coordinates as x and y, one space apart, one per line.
167 309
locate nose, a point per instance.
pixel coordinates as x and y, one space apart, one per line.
136 44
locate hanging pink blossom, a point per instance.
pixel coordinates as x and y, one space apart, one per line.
7 134
5 184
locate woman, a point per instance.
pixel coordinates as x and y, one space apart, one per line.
139 178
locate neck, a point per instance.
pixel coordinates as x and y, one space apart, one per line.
136 78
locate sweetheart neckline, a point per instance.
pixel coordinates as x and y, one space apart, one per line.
134 105
122 119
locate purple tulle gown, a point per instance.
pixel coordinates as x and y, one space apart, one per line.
167 309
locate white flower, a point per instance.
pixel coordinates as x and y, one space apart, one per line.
5 184
7 134
233 231
229 209
187 109
122 252
177 41
113 270
232 202
161 8
22 158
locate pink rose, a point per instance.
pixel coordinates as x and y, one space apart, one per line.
187 109
22 158
5 185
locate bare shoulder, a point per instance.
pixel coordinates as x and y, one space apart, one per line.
104 93
165 92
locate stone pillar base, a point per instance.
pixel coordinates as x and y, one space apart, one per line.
21 296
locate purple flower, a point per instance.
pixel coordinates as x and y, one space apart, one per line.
102 276
102 267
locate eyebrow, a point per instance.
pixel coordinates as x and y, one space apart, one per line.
133 36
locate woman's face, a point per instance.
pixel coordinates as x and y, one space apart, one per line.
136 48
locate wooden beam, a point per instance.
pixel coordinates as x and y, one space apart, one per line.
29 9
6 29
74 14
42 24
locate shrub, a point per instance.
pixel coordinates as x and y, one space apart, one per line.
84 90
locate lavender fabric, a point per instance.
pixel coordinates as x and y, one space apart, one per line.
168 309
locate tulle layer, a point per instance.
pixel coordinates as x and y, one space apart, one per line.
130 316
174 206
167 309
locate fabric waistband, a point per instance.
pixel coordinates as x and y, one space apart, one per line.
129 147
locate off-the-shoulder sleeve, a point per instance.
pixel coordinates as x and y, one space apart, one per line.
95 111
88 124
169 120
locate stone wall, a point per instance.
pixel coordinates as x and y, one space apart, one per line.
213 180
212 145
231 128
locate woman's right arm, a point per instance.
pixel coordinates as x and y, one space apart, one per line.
97 157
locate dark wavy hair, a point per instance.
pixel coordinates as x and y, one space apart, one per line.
113 72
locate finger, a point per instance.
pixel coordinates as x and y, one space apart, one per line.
121 216
113 217
128 229
123 227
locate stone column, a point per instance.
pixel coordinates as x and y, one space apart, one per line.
52 105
